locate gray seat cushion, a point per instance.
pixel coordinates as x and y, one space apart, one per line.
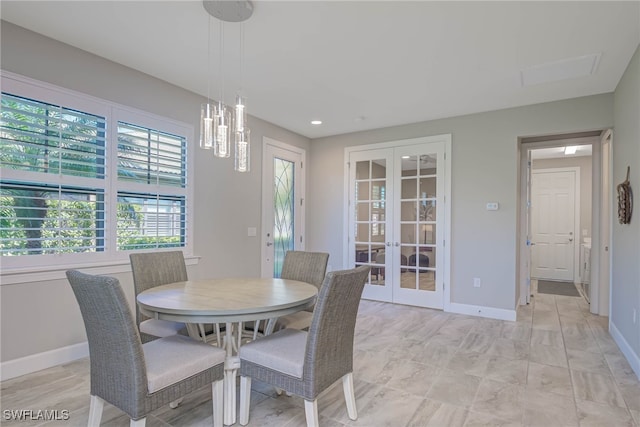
283 351
299 320
160 328
176 358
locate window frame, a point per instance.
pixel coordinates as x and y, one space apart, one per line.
17 269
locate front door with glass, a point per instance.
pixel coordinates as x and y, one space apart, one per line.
282 205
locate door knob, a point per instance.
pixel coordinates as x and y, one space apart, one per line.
571 240
269 244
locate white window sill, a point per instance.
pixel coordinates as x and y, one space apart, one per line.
41 274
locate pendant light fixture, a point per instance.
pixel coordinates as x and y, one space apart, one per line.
207 110
217 121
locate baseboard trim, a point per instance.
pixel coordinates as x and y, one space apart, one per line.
478 310
625 348
36 362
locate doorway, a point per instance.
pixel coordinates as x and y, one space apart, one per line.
590 162
398 218
282 203
555 219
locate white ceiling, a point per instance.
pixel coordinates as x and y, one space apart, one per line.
355 65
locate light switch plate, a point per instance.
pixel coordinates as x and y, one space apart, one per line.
252 232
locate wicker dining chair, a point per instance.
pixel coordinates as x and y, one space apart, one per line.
310 267
160 268
307 363
134 377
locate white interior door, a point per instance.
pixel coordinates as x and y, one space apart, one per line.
370 219
553 224
397 221
419 226
282 204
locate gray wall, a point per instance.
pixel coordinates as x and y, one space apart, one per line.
626 238
41 316
584 163
484 168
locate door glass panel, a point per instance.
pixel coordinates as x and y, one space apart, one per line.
409 165
283 204
362 190
362 211
378 271
427 280
427 234
409 211
428 187
427 210
409 188
379 169
428 257
362 170
362 232
407 234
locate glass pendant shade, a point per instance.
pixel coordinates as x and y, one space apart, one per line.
240 113
207 119
242 149
222 132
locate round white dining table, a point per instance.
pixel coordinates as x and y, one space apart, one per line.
229 301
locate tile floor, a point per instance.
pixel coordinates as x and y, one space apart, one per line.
555 366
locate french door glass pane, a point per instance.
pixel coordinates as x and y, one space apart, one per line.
283 203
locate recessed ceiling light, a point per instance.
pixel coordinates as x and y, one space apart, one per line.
571 149
316 122
405 157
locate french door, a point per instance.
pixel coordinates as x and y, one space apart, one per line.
282 204
397 219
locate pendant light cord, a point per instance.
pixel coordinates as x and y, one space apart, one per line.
209 61
221 100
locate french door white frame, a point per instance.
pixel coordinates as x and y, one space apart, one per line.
446 214
269 146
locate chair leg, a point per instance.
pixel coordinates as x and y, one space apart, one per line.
175 403
217 327
245 399
217 393
311 412
95 411
349 395
138 423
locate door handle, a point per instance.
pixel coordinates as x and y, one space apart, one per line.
571 240
269 244
397 244
388 243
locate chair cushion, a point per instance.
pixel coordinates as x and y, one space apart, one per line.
299 320
175 358
282 351
160 328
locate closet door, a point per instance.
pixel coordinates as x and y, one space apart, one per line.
371 217
418 229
